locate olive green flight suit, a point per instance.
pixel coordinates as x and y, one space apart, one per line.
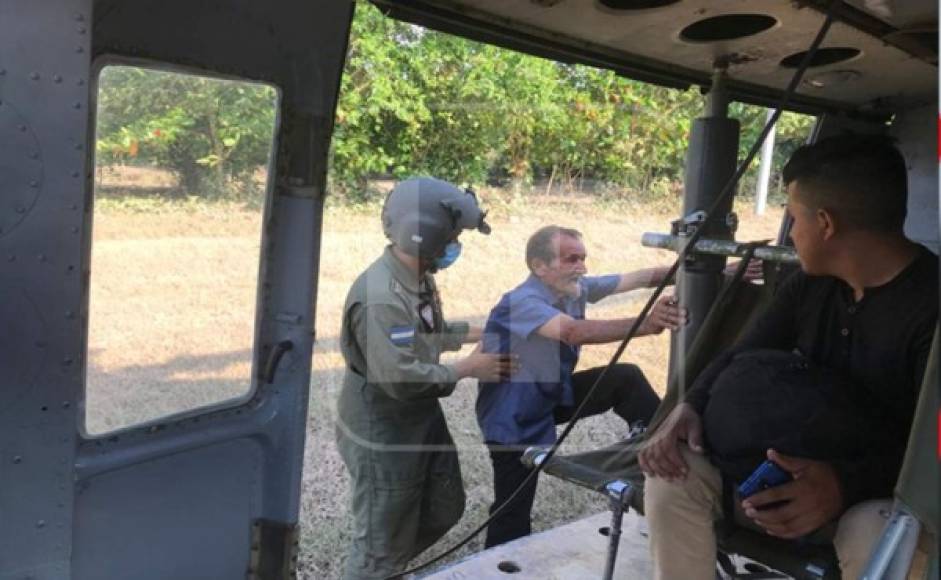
406 480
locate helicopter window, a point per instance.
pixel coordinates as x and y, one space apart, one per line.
180 181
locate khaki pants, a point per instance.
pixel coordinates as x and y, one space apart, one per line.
681 516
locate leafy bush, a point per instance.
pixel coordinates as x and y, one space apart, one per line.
417 102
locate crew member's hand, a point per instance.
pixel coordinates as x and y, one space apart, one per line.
487 367
813 498
754 270
661 454
666 314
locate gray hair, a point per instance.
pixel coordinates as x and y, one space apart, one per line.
540 246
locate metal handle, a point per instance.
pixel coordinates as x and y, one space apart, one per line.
274 359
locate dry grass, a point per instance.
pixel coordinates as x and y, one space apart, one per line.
172 311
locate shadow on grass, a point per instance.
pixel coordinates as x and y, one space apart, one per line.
133 394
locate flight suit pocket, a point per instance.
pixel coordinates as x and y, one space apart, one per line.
444 495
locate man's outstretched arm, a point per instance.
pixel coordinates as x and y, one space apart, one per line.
645 278
574 332
650 277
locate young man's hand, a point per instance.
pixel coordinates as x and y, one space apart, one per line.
813 498
666 314
661 454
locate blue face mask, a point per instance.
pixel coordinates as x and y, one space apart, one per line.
451 253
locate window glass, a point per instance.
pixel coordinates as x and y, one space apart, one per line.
180 179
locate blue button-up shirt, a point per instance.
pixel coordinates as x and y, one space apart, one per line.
520 411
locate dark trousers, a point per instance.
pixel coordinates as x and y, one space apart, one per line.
625 390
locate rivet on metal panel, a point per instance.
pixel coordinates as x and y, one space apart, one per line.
41 524
75 174
79 146
34 183
76 105
42 257
74 207
79 17
57 79
68 361
81 30
80 49
75 230
81 82
34 154
34 76
22 128
69 314
17 459
66 404
11 258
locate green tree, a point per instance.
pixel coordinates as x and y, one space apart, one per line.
208 131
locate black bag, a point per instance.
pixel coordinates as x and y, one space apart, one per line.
764 398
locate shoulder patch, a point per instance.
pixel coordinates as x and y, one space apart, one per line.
402 335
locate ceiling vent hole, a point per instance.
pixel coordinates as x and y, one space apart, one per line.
727 27
823 57
508 567
635 4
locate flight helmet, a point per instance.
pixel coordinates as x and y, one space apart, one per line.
422 215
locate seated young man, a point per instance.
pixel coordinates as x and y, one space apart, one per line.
543 322
865 304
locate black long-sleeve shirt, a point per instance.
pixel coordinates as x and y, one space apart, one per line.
881 343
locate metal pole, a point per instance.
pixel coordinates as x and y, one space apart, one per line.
620 494
764 168
710 163
783 254
891 558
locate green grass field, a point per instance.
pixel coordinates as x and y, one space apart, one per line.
172 314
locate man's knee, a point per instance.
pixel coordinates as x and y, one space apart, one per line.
630 375
700 489
857 532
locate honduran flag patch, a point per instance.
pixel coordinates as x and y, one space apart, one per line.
402 335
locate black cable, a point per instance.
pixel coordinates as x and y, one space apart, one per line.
681 256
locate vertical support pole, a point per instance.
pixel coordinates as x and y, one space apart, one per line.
764 168
710 163
620 493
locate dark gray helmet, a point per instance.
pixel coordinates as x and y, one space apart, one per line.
421 215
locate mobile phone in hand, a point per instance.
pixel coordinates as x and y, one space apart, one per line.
769 474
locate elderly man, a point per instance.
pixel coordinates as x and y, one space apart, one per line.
543 322
865 304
